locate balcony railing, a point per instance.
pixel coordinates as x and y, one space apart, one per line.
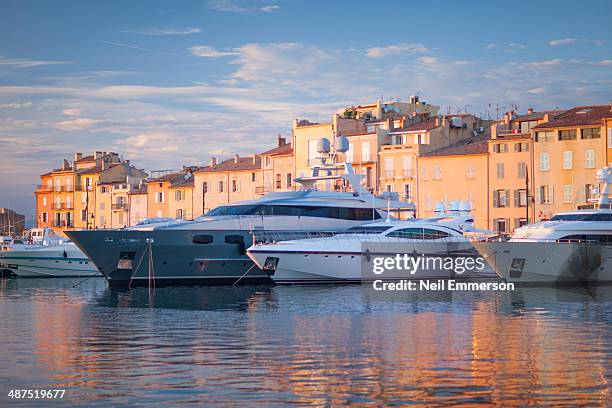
63 189
119 206
263 189
84 188
44 188
63 223
63 206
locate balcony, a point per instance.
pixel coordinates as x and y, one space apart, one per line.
263 189
63 189
63 224
44 188
63 206
85 188
119 206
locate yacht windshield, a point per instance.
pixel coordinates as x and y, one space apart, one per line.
362 214
374 229
582 217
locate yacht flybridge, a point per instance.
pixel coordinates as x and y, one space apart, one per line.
572 247
212 248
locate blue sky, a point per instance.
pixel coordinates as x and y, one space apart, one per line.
172 83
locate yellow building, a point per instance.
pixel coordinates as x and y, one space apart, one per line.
234 179
277 168
459 172
569 148
398 158
180 196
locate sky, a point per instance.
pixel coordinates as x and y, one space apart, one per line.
168 84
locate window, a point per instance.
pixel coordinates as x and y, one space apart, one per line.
253 177
103 189
589 190
567 134
590 133
500 198
120 218
278 182
520 198
544 195
568 193
500 170
521 147
361 214
501 225
45 217
83 215
179 213
418 233
268 161
470 171
220 186
547 136
84 198
289 180
388 167
589 159
102 206
544 162
178 195
407 163
235 186
159 197
522 170
202 239
408 191
437 172
610 138
500 147
204 187
365 151
520 222
567 160
44 201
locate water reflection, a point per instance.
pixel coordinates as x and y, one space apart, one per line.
320 345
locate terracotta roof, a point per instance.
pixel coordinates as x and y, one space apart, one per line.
244 163
473 145
591 115
95 169
535 115
279 151
425 125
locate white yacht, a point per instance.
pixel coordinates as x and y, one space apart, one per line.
351 256
573 247
48 255
212 248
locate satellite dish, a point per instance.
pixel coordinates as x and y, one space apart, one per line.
341 144
323 145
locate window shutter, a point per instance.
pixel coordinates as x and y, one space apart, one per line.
538 196
495 199
507 203
516 198
552 194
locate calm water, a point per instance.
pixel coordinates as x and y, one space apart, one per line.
321 345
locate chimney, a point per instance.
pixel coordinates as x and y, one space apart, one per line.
236 159
530 110
213 161
65 165
78 156
444 121
254 159
104 165
281 141
437 121
546 118
97 155
507 119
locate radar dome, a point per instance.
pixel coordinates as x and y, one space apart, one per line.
323 145
341 144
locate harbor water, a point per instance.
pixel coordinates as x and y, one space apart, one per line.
303 345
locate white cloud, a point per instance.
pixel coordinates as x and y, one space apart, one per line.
515 47
605 63
76 124
171 31
72 112
16 105
490 46
537 90
226 5
397 49
562 41
270 8
27 63
209 52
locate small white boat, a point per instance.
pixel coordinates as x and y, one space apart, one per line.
573 247
47 256
353 256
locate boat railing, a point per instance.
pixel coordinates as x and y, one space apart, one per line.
273 237
538 240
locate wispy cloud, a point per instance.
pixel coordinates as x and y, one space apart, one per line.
75 124
236 6
170 31
27 63
134 47
515 47
210 52
572 41
605 63
16 105
72 112
397 49
490 46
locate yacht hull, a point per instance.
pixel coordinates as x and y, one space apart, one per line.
169 257
548 262
29 264
326 266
